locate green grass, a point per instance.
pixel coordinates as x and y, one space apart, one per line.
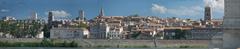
187 46
44 43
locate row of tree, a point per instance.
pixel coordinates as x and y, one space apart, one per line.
43 43
20 29
178 34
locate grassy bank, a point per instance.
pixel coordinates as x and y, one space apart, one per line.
49 43
43 43
91 43
120 46
187 46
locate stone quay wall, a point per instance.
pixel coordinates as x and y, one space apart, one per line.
123 42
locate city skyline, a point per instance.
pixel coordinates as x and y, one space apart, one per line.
193 9
119 23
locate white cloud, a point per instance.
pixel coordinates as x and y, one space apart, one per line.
181 11
217 5
59 13
4 10
158 8
186 11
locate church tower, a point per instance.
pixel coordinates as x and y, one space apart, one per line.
81 15
208 14
34 16
50 19
101 14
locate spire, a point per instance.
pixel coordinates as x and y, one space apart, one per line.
34 16
82 15
101 13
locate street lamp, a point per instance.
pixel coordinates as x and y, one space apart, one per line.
154 38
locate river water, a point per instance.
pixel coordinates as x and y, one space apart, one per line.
87 48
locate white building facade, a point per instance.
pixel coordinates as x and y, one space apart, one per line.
98 31
106 31
59 33
115 31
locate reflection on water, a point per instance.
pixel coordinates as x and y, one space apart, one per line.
87 48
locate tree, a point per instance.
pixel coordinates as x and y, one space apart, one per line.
73 44
82 25
46 31
65 44
20 29
180 34
46 43
135 35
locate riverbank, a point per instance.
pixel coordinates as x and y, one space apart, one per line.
103 43
87 48
43 43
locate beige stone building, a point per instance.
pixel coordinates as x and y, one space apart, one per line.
59 33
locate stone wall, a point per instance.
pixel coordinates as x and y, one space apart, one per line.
115 43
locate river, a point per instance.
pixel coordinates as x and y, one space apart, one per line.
87 48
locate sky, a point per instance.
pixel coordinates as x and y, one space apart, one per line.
68 9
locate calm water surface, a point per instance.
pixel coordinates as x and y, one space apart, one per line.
87 48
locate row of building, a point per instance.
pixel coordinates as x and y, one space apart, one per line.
145 27
131 27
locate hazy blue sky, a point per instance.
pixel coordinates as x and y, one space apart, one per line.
21 9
